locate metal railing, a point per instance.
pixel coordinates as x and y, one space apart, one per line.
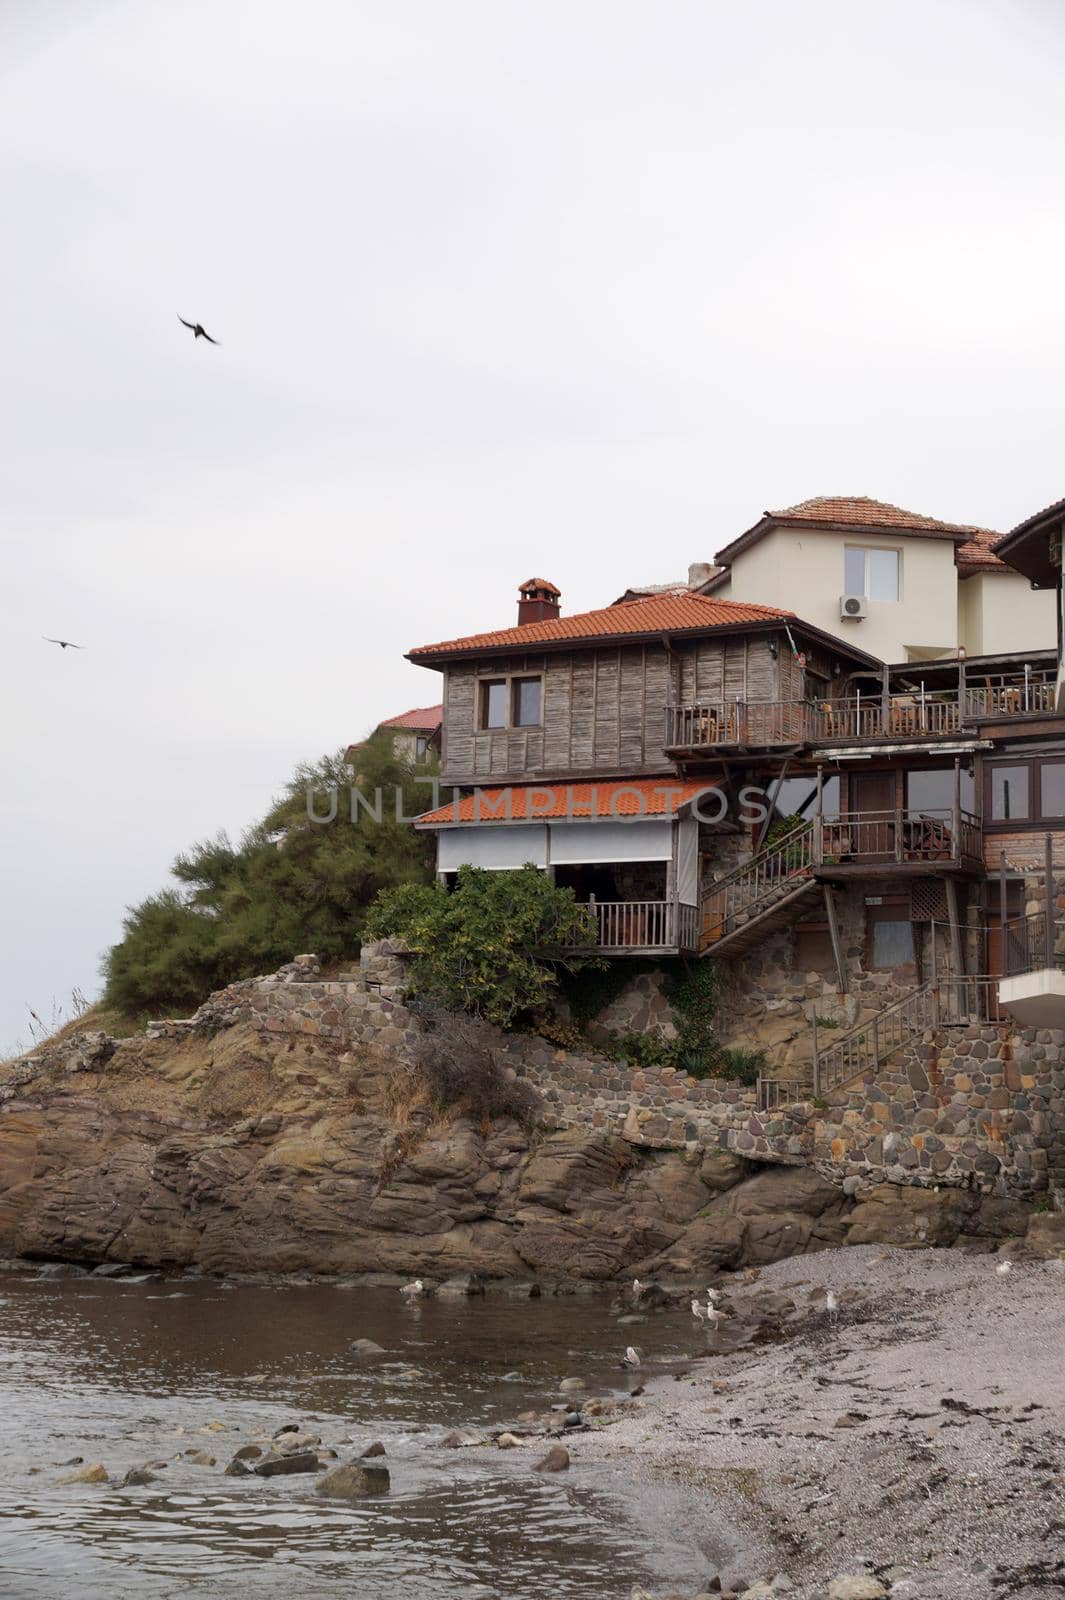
645 925
758 884
902 835
913 714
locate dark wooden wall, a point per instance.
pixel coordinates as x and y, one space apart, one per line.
604 711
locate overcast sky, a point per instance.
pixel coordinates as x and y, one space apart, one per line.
572 289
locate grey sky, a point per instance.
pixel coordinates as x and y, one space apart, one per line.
569 288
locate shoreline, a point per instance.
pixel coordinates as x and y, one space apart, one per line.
913 1438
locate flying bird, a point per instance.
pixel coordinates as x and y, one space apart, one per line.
198 330
64 644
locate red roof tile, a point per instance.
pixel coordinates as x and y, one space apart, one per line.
978 553
861 512
424 719
656 614
634 797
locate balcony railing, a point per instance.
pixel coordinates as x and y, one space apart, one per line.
900 836
915 714
645 925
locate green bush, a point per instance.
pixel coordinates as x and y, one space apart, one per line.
494 946
291 885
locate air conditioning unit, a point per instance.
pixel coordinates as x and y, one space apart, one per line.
852 607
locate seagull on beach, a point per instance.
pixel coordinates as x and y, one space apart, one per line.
831 1305
198 330
708 1313
64 644
637 1288
632 1356
1004 1268
413 1291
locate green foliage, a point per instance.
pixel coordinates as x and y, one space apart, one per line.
290 885
591 990
494 946
643 1049
746 1066
691 989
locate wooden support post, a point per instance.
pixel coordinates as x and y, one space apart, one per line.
1048 907
885 703
955 818
956 955
1003 937
833 929
819 822
963 691
817 1059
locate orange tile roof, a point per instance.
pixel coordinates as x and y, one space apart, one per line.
423 719
634 797
978 553
862 512
668 613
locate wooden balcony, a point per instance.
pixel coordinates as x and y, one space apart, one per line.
645 927
895 717
859 840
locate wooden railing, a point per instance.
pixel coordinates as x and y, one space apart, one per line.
914 714
901 835
946 1002
645 925
758 884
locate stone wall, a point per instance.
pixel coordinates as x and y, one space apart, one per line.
980 1106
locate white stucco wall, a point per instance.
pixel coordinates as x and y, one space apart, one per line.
803 571
1000 611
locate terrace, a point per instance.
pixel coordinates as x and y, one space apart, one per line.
917 711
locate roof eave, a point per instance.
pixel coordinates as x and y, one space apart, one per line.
867 530
593 641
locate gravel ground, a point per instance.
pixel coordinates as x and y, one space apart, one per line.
916 1434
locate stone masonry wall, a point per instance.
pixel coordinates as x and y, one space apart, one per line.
981 1106
977 1106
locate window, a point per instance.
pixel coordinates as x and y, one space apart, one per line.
1024 794
526 711
798 797
511 702
933 790
889 934
494 703
1009 793
421 749
871 572
1052 789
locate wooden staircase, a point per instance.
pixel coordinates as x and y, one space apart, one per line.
764 894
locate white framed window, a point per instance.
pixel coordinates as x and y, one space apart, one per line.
871 571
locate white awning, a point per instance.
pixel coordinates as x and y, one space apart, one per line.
499 849
588 843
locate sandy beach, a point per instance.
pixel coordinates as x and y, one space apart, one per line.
912 1438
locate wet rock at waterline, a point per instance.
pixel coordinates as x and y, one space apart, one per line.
306 1172
556 1460
354 1482
280 1466
95 1473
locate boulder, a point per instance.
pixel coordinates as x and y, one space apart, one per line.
353 1482
137 1477
861 1587
96 1472
720 1171
556 1460
911 1218
1046 1234
375 1449
280 1466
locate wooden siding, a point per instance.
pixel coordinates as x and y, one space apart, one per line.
604 710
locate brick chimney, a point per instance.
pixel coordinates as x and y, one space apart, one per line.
538 601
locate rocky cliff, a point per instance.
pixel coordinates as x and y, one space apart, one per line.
243 1150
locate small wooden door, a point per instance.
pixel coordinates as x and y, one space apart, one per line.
873 829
